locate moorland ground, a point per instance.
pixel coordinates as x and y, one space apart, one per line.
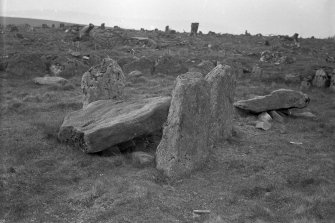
256 176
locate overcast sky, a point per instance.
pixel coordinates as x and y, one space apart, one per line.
306 17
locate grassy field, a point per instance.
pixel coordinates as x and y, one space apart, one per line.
256 176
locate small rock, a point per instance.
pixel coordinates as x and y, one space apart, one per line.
263 125
304 115
142 159
320 79
56 69
53 81
135 73
264 117
277 117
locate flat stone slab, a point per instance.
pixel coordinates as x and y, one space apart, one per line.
58 81
278 99
106 123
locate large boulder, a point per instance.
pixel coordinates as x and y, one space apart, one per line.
278 99
106 123
102 82
52 81
183 147
222 82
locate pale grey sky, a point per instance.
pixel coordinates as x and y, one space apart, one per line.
306 17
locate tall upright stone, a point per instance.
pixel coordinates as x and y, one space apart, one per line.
184 147
102 82
222 83
194 28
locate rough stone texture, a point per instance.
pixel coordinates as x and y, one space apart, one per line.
53 81
205 67
263 125
102 82
278 99
184 147
320 78
106 123
222 83
277 117
265 117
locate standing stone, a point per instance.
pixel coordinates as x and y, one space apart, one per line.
183 147
222 83
167 29
102 26
320 79
85 31
194 28
102 82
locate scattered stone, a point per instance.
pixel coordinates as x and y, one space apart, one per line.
222 83
53 81
330 59
320 78
184 147
135 73
276 116
56 69
194 28
74 53
102 82
264 117
303 115
142 159
85 31
106 123
263 125
278 99
266 56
